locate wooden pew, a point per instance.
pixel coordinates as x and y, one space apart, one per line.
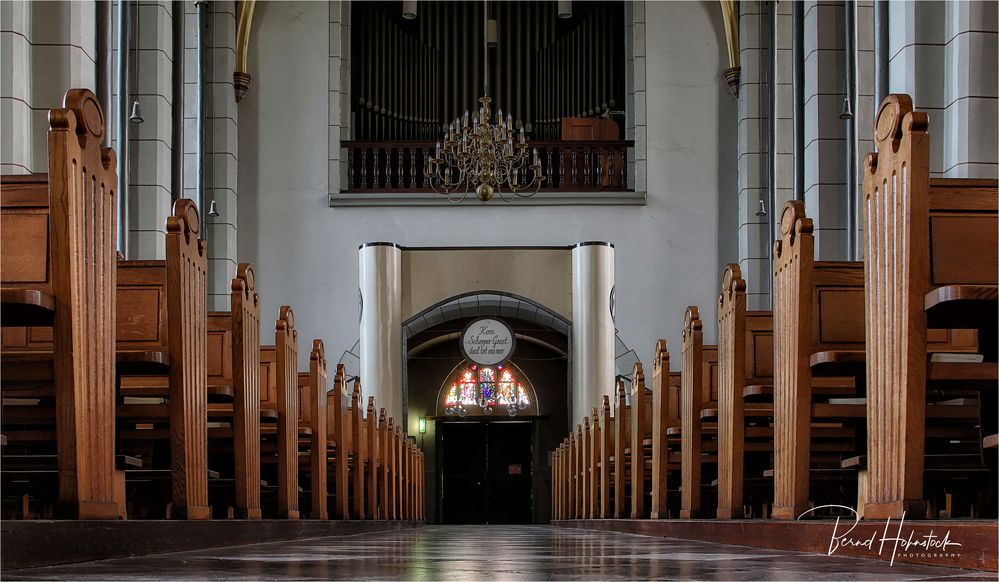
817 308
745 358
690 414
162 330
578 477
593 508
564 478
661 419
58 266
392 481
641 444
605 464
622 437
371 472
584 469
279 390
555 478
313 387
931 263
338 425
358 451
234 361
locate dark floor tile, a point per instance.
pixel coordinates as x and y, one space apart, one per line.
492 553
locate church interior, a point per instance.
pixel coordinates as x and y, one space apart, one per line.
561 289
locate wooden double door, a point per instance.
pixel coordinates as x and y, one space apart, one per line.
486 470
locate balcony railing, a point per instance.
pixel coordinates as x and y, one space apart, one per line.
569 166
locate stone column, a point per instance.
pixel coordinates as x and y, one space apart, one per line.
825 178
916 39
971 95
221 145
339 93
380 270
592 326
151 142
16 147
754 241
48 48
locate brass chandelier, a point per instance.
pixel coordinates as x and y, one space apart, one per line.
481 156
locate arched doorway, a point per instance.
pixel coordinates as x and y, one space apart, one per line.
488 468
431 353
487 419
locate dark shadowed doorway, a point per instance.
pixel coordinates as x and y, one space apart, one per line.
486 471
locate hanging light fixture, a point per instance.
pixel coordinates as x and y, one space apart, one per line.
565 8
213 209
136 116
492 36
483 156
847 112
762 211
409 9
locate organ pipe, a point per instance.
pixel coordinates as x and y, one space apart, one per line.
411 76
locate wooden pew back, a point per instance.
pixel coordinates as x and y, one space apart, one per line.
315 417
794 297
187 329
286 393
605 442
245 342
338 426
731 380
622 439
641 429
660 422
58 234
691 396
358 450
921 234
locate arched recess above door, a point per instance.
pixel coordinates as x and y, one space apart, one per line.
499 304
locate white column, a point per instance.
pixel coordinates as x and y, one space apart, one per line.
592 326
380 265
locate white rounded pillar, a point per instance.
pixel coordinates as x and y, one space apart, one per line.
380 266
592 326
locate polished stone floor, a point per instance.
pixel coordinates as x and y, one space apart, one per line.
491 553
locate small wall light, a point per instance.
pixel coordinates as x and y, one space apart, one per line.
423 424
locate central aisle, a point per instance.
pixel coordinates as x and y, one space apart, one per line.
490 553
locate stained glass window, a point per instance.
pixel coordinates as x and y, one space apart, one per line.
478 387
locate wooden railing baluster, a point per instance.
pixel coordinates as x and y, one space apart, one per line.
567 165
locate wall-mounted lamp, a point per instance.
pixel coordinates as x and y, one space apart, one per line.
423 424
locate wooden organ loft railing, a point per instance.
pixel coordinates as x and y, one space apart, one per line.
569 166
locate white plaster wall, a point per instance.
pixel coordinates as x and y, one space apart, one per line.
305 253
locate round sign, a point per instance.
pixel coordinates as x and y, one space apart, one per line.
487 341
